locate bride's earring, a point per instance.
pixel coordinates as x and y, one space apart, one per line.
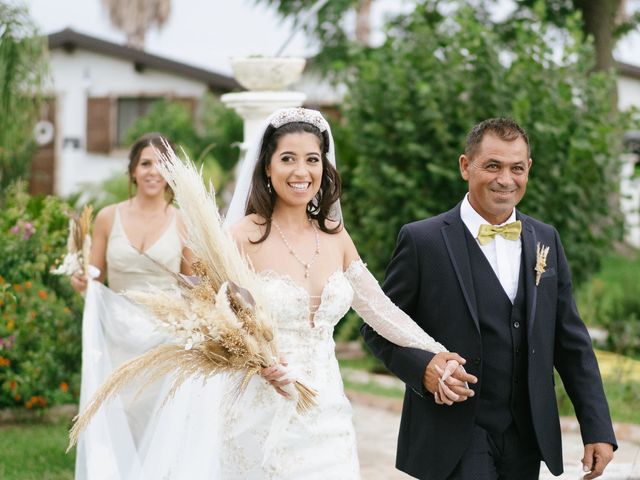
269 185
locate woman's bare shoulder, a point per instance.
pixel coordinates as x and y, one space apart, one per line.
249 228
104 218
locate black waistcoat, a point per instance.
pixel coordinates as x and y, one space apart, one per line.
503 398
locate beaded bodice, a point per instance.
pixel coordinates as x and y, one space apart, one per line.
302 336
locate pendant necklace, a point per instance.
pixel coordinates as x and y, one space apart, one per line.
307 266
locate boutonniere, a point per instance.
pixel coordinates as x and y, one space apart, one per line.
541 261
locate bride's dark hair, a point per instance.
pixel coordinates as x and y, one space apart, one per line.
261 201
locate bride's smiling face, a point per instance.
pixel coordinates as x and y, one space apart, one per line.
296 168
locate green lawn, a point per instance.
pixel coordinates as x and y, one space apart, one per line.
35 451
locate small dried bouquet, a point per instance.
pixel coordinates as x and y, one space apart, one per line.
76 260
216 317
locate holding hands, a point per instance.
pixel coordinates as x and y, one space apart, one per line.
446 378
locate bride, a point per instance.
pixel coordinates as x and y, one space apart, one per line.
285 215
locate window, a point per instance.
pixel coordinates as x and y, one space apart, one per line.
129 109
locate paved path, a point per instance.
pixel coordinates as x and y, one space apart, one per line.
377 429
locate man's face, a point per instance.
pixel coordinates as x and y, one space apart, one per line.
497 176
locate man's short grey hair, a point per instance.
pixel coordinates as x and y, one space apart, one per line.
504 128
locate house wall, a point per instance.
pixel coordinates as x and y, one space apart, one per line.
82 74
628 97
628 92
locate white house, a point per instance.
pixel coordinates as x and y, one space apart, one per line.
628 97
98 90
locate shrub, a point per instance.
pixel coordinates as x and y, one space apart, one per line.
40 315
611 300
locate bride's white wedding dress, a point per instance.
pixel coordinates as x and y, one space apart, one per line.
320 443
259 435
263 436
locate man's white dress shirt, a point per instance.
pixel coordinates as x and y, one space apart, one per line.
503 255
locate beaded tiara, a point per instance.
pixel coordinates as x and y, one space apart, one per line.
304 115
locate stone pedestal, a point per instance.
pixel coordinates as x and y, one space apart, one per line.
266 77
254 107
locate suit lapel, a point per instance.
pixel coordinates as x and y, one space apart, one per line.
529 242
454 239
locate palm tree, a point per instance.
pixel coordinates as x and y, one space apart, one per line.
363 22
136 17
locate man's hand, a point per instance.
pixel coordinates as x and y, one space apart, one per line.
596 457
454 388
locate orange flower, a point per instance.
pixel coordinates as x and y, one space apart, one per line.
64 387
12 385
1 302
17 397
66 310
11 324
1 279
4 362
17 287
36 400
27 284
42 294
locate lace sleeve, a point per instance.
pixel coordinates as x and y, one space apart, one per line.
381 314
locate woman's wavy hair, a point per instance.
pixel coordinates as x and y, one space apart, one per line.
262 201
152 139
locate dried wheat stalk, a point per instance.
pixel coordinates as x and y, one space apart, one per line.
217 317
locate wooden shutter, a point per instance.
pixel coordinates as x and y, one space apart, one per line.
42 169
99 124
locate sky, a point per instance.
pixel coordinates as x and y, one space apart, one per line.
208 33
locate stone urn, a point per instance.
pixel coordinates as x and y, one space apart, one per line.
267 73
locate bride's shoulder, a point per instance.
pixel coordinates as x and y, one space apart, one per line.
338 234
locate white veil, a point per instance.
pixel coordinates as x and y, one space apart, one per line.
280 117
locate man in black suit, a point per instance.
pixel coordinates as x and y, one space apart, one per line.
493 285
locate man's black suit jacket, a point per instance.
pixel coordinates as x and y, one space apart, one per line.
429 277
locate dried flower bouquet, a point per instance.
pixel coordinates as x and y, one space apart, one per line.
217 316
76 260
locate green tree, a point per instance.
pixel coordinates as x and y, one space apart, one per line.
212 140
327 25
604 20
23 68
412 101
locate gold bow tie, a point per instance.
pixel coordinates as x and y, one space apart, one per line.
510 231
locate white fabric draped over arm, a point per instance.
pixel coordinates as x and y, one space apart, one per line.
381 314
